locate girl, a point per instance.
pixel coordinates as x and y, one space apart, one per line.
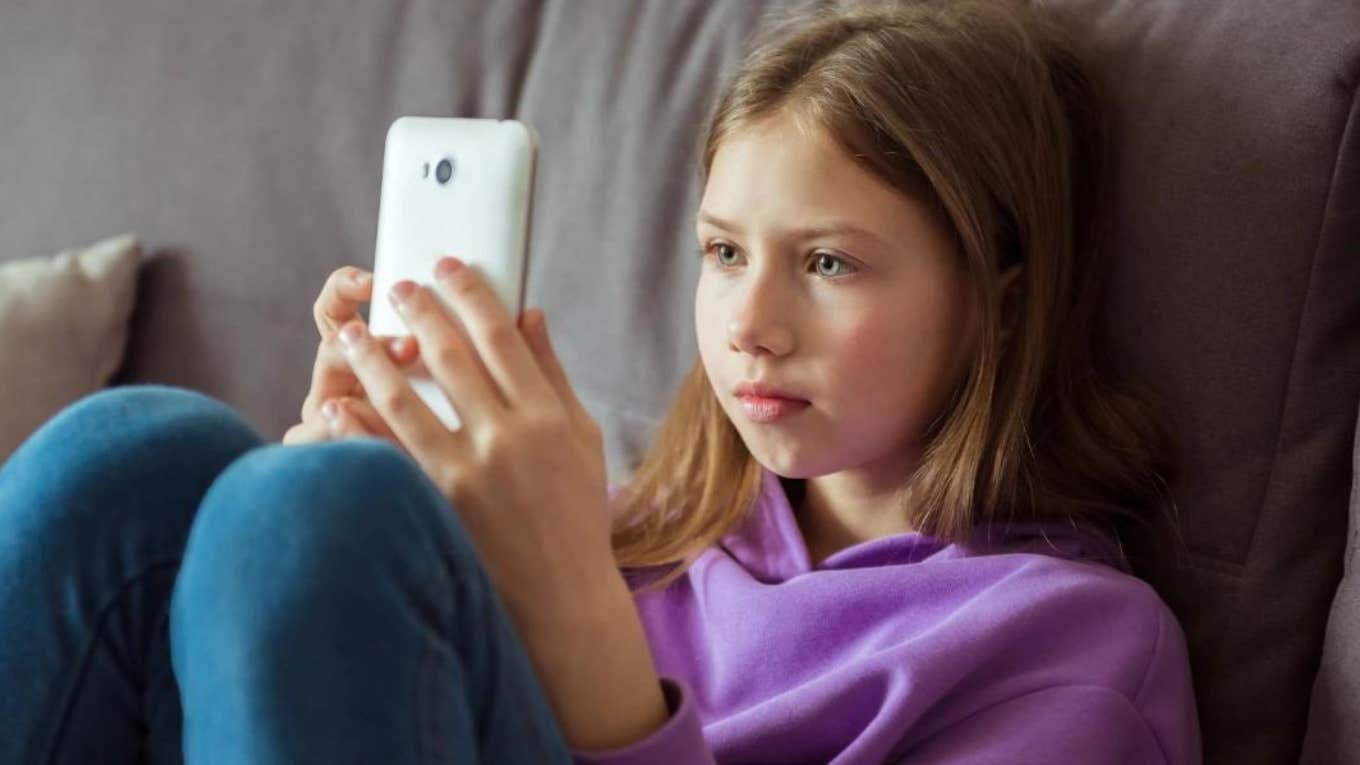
878 525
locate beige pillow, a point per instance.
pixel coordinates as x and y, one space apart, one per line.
63 329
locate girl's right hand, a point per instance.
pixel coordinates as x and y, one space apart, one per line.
332 379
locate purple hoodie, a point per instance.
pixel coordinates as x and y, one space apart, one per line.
1030 644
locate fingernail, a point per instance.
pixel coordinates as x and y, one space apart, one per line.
350 334
447 266
400 292
359 277
329 410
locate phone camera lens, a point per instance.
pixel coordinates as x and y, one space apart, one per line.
443 171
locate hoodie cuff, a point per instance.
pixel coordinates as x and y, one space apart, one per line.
679 741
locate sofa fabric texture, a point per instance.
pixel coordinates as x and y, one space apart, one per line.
1334 724
255 132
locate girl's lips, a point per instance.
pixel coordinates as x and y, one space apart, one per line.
765 409
764 390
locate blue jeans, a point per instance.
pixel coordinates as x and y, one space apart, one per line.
174 587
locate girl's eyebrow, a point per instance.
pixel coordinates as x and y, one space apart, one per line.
806 232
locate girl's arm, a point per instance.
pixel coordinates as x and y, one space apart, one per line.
1063 724
593 659
1084 723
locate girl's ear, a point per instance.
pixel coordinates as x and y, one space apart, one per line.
1011 292
1010 276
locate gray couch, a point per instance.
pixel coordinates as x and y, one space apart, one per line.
243 141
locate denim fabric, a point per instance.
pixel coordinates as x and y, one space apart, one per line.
173 586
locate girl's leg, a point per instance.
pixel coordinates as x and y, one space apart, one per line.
331 608
95 507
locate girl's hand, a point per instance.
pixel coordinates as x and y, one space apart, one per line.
332 379
526 469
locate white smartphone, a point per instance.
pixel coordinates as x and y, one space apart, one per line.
452 186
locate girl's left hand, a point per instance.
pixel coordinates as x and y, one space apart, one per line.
526 469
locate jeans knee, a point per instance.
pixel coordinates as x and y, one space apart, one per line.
295 523
119 458
132 418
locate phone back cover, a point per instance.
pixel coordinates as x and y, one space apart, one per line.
481 216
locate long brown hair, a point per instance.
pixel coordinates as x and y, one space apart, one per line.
983 111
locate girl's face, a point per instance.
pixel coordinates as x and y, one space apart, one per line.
868 320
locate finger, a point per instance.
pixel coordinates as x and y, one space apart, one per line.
440 308
340 423
402 349
448 354
307 432
536 330
493 332
345 289
424 435
368 416
332 376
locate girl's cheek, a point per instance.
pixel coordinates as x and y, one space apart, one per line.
876 340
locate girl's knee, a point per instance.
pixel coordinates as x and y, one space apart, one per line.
120 459
130 418
315 514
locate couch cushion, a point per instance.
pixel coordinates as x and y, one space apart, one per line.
63 328
257 138
1237 214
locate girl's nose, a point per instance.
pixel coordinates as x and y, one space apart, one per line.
755 328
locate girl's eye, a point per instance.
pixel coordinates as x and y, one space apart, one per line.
719 246
821 258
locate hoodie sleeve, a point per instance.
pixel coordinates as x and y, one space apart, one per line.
679 741
1085 722
1065 723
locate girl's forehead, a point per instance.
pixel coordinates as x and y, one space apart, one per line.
784 174
781 169
781 138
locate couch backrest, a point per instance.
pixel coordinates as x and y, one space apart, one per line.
244 142
1236 291
1333 734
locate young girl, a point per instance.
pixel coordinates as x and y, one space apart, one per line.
878 526
910 555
